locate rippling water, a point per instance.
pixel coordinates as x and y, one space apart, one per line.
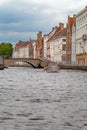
31 99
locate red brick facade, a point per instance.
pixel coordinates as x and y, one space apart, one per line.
39 45
69 39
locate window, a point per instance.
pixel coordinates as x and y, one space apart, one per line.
63 57
64 47
64 40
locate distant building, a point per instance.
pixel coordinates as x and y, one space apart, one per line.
46 39
34 48
39 46
30 48
51 34
60 47
57 44
21 50
81 36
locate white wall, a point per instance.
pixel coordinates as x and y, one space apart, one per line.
45 45
81 28
21 52
56 51
34 49
46 37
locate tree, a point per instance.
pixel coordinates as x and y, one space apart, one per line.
6 49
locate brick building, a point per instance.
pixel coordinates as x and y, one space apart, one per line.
69 39
39 45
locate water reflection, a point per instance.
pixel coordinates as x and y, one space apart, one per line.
31 99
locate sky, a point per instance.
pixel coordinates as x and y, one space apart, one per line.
23 19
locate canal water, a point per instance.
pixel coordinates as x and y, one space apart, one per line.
31 99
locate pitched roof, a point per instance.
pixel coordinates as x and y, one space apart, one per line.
61 33
52 33
22 44
58 33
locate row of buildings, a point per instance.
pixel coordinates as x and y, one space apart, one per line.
62 44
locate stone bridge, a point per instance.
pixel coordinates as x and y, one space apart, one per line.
36 63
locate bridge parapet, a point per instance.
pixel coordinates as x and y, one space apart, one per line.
34 62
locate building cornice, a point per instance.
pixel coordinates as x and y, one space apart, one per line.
81 12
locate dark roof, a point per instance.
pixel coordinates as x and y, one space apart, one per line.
60 34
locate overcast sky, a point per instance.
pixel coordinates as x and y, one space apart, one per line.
22 19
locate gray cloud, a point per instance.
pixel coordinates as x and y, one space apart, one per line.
22 19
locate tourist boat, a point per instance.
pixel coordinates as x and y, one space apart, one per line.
51 68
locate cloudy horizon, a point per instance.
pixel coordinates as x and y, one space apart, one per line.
23 19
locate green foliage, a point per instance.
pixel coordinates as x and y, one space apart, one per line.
6 49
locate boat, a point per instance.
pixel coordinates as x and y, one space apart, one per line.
1 67
51 68
1 63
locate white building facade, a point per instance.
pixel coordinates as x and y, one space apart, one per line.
47 43
58 46
58 49
45 38
81 37
21 50
34 49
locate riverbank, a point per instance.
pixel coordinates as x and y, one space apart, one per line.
73 67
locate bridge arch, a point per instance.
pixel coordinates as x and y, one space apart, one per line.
33 65
33 62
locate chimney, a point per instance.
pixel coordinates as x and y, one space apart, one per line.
45 35
74 15
53 28
61 26
39 35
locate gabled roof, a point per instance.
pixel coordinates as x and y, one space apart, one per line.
22 44
50 38
58 33
61 33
